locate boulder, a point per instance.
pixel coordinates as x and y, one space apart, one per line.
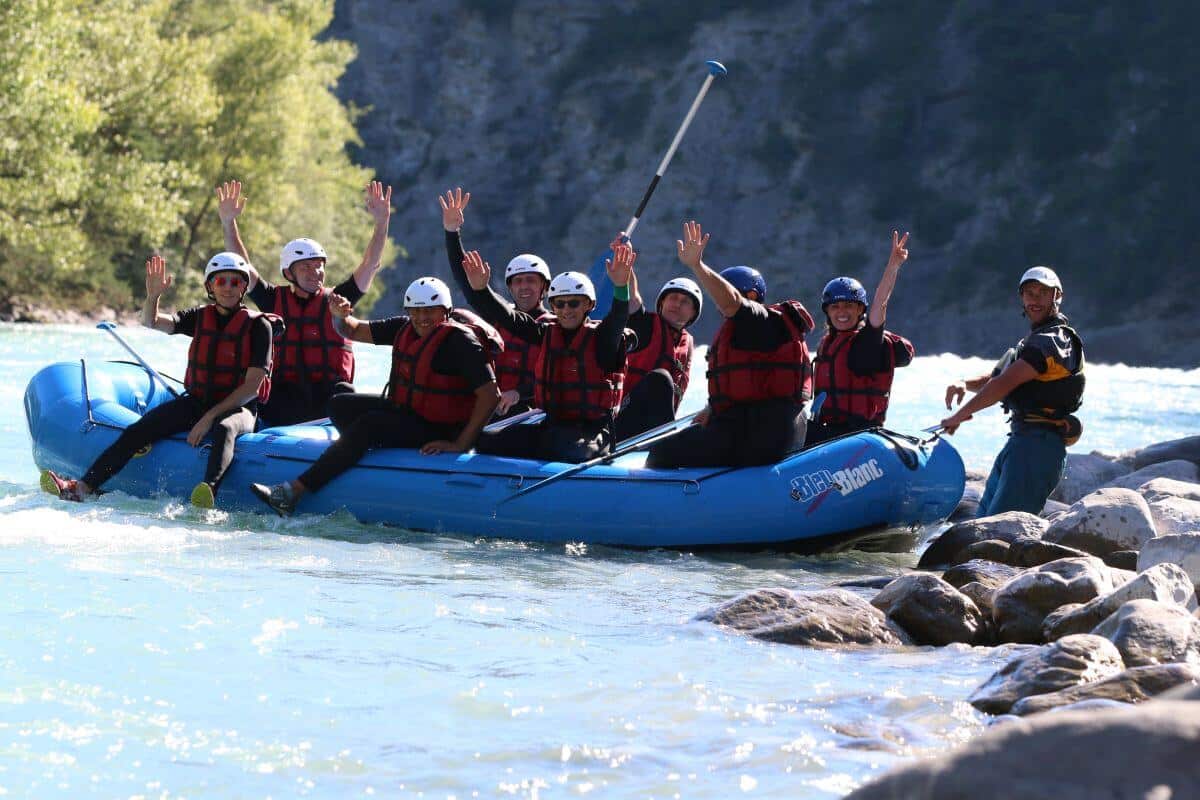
1146 632
989 573
1175 515
1005 527
875 582
1166 583
1177 470
1071 661
983 596
1020 606
1085 473
930 610
1027 552
1052 509
1130 686
1167 487
827 618
1143 752
968 506
987 550
1176 548
1185 449
1125 560
1104 521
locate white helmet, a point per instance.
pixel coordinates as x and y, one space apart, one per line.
688 287
298 250
568 283
427 292
1043 275
526 262
227 262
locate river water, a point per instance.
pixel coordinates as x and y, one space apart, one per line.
149 649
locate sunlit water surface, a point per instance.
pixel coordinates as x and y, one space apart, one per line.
153 650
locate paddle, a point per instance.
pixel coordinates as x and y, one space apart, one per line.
112 329
631 445
597 273
816 407
515 419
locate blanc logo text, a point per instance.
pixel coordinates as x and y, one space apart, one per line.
844 481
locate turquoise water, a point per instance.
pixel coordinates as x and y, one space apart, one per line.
153 650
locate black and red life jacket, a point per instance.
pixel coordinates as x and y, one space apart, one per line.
750 376
310 349
219 357
491 338
851 398
668 349
413 382
515 366
570 383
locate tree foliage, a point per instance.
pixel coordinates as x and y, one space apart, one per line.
119 117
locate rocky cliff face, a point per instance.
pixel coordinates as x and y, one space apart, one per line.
554 114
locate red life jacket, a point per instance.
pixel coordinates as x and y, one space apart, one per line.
570 383
310 349
515 366
414 383
219 357
664 351
491 339
850 397
749 376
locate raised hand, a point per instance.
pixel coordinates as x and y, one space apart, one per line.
339 306
379 201
158 280
230 201
955 393
478 271
691 248
899 250
454 204
620 266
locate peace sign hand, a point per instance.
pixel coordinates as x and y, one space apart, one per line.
899 250
454 204
691 249
230 201
620 266
158 280
478 271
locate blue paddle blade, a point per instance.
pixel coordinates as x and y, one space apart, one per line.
604 287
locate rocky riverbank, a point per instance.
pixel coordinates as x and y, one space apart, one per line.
1097 599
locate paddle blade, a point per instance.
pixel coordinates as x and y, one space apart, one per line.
604 287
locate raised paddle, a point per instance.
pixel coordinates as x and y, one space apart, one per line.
597 273
631 445
112 329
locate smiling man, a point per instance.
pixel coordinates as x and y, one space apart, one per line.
1040 384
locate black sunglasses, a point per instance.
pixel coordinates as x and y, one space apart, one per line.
557 303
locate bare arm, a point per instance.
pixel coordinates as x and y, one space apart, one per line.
357 330
379 206
486 398
691 251
244 393
158 280
992 391
883 293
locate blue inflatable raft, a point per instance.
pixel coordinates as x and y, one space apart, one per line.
816 499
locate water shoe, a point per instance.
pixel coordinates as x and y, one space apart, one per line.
279 497
202 496
61 487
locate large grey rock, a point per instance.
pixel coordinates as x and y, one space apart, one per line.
1070 661
1027 552
1104 521
989 573
1130 686
984 598
826 618
1165 583
1143 752
1167 487
1175 515
1177 470
1122 559
1185 449
989 550
1020 606
1006 527
1177 548
1085 473
1148 632
968 506
930 610
1053 509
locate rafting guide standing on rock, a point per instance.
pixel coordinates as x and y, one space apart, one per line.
1040 384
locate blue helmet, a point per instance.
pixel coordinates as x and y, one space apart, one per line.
843 288
746 278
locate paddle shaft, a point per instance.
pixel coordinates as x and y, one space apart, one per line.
112 329
515 419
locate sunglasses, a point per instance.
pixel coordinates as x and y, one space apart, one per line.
560 304
233 281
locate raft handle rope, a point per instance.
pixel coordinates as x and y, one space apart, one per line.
112 329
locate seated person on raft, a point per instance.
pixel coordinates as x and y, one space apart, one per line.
581 363
441 390
857 359
759 374
313 362
227 377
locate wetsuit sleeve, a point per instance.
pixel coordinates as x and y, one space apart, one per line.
868 352
260 343
349 290
612 337
185 321
455 255
756 327
263 295
492 308
383 331
461 354
642 323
